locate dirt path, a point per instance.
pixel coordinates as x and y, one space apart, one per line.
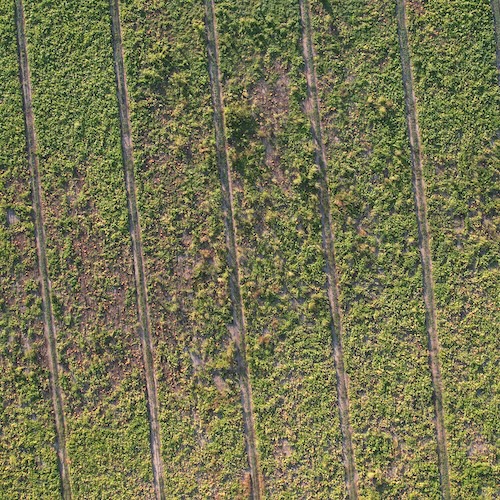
328 246
239 330
137 251
48 314
495 7
425 246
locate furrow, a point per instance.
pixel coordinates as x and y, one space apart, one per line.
425 246
328 245
137 251
239 329
48 314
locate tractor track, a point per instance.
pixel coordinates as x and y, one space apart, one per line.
41 246
239 330
137 252
424 246
329 250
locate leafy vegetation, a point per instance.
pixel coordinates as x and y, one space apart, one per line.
28 461
279 236
180 205
453 53
385 343
101 374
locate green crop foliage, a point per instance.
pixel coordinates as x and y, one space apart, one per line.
180 204
363 111
90 265
276 184
279 236
453 53
28 462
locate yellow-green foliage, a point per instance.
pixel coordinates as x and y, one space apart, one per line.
456 82
179 199
279 236
28 467
370 176
88 247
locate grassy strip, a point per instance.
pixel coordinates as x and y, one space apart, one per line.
453 58
47 307
272 158
180 201
425 248
137 250
385 343
28 459
329 248
88 247
239 330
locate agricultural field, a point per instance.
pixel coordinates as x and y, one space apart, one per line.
249 250
86 251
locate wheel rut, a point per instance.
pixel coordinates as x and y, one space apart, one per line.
137 252
425 247
329 251
238 330
41 246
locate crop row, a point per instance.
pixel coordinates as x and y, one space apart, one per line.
88 247
278 222
456 85
180 205
137 249
370 179
28 462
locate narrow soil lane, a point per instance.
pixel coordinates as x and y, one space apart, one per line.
50 331
239 329
425 246
137 251
328 245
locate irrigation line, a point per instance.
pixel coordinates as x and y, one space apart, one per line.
137 251
48 313
239 330
329 250
425 247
